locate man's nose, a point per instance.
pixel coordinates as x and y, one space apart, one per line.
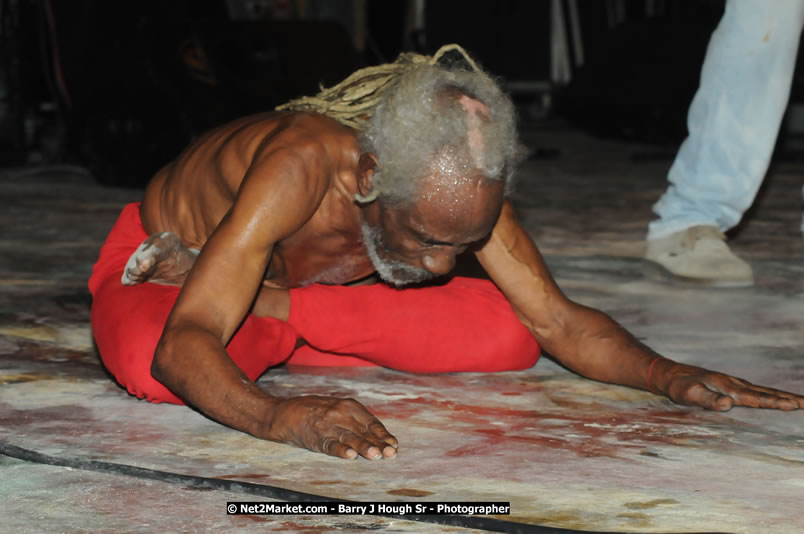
439 263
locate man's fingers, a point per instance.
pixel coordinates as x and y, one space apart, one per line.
747 394
378 429
756 398
788 399
716 391
366 447
351 442
711 400
349 446
333 447
775 392
381 438
375 431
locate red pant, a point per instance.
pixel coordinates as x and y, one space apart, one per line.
464 325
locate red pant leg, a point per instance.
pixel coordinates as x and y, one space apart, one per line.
464 325
127 325
127 322
307 355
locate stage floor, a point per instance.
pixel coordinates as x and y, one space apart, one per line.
565 451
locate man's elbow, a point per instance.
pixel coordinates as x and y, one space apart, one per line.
163 363
172 363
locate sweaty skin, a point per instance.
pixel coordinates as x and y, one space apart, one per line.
266 194
269 202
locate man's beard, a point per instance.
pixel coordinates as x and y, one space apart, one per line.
394 272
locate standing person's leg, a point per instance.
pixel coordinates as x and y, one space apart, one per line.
464 325
733 123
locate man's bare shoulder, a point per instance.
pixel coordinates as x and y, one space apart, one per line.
242 139
289 147
314 153
304 152
309 132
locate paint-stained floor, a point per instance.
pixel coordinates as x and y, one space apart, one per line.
565 451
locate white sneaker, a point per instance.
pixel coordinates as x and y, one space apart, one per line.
700 255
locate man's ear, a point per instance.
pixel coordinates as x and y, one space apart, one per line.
366 166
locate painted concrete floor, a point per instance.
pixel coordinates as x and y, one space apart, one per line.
565 451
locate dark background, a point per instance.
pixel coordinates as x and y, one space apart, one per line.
121 87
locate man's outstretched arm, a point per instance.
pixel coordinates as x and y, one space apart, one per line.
281 191
594 345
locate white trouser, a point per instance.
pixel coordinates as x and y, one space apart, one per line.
734 118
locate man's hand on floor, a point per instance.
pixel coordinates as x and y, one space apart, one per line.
334 426
695 386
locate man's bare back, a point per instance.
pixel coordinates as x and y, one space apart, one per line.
190 196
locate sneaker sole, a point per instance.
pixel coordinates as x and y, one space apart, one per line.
660 273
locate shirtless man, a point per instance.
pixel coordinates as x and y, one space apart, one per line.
290 210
